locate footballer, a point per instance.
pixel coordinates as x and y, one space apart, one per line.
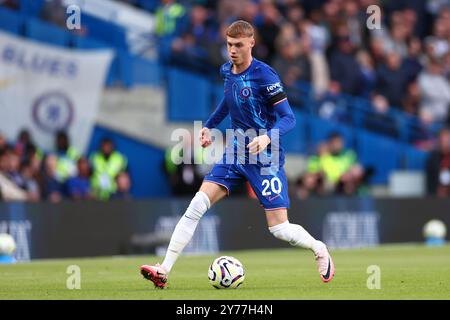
253 97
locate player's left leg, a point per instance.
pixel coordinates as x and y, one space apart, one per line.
272 192
296 235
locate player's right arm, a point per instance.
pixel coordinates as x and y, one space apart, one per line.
214 120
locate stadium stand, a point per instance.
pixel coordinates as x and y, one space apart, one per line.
403 137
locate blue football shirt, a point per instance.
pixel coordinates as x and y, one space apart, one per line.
251 98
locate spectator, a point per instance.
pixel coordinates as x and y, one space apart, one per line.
344 68
380 119
438 42
413 62
332 105
447 67
8 190
12 4
23 143
67 157
11 182
396 41
317 34
170 20
51 188
313 45
368 74
376 50
438 166
340 166
294 13
106 164
411 101
123 186
356 22
424 135
217 50
191 48
3 144
392 79
54 11
13 169
269 27
291 64
434 91
79 187
30 184
249 11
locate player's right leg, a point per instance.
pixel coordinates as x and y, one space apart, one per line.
208 194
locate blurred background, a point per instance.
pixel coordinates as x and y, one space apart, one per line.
91 92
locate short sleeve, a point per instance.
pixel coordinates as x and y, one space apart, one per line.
271 87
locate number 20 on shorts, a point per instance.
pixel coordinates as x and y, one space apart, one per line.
274 184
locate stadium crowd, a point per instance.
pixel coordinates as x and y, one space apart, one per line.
402 65
322 45
29 174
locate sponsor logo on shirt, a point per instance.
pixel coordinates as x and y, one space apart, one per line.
273 87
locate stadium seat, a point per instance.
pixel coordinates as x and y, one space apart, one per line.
89 43
10 21
136 70
149 5
31 7
295 140
45 32
189 96
319 130
217 95
105 31
378 152
414 158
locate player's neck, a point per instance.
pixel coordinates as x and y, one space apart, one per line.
242 67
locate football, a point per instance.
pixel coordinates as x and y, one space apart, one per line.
226 272
7 244
435 229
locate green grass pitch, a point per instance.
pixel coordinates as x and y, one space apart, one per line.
407 272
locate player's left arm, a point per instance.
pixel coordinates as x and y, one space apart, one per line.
286 119
286 122
277 99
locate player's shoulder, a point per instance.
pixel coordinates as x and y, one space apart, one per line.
225 68
263 70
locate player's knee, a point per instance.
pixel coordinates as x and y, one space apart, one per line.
282 231
198 206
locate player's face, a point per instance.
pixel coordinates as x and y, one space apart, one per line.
240 49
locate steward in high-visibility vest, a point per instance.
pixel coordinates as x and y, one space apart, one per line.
166 17
106 165
335 165
67 156
337 160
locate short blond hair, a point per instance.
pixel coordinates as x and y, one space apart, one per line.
239 29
